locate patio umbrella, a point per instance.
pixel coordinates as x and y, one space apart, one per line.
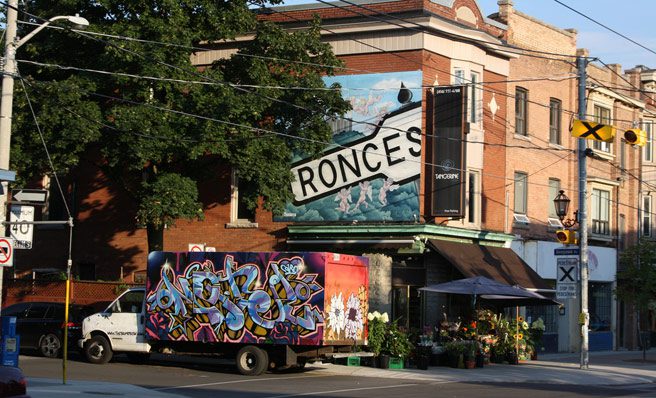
480 285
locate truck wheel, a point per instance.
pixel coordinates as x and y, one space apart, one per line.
98 350
252 361
50 345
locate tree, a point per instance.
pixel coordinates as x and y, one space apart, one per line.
636 277
154 118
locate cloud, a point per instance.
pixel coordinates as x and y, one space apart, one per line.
387 84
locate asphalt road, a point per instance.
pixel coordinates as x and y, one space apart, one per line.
194 377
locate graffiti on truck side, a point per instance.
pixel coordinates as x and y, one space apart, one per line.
237 303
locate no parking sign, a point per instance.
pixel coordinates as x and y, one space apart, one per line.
6 252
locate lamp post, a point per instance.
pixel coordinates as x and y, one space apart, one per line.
9 70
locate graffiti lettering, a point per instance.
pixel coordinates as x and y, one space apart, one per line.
235 303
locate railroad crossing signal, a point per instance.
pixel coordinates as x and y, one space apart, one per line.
635 137
593 131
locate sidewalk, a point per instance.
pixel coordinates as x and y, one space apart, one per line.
605 368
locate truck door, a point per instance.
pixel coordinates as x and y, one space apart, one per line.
126 318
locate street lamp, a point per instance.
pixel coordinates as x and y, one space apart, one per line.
561 202
9 70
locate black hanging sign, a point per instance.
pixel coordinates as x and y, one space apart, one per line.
449 163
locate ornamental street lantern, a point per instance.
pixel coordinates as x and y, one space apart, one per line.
561 202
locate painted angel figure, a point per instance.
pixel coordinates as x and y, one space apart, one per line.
388 185
344 198
366 191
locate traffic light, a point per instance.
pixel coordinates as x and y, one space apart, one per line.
635 137
566 236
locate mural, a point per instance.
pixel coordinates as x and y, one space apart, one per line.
372 170
271 297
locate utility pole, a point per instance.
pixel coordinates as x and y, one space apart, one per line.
6 104
584 316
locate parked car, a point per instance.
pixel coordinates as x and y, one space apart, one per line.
12 382
41 325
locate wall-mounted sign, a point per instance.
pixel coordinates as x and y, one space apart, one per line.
449 163
372 171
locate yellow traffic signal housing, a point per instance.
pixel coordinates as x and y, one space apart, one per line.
593 131
635 137
566 237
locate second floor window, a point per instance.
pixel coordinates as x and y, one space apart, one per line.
521 111
601 115
555 110
554 188
521 193
600 212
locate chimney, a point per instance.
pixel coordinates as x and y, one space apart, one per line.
505 9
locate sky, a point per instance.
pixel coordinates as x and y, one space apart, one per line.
630 18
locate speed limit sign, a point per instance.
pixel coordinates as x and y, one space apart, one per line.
22 229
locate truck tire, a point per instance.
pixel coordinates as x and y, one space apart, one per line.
252 361
98 350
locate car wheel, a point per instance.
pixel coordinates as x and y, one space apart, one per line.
50 345
252 361
98 350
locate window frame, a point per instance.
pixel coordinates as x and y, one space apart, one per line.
236 217
646 227
600 212
520 177
555 121
648 149
521 111
601 117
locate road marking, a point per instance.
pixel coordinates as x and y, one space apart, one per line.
218 383
305 394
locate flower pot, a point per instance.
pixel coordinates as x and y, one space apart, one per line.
384 361
470 363
480 360
422 362
512 359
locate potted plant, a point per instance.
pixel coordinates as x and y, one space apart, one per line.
376 330
396 343
469 354
537 330
454 351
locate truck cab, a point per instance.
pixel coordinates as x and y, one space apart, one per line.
119 328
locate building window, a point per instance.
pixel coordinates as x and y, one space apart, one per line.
239 212
554 189
555 111
521 192
521 111
600 212
647 150
55 209
646 216
474 96
600 295
473 198
601 115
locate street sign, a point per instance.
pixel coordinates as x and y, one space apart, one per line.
566 277
196 247
36 196
22 232
6 252
567 252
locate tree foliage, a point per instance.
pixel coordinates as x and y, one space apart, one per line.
636 277
152 115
